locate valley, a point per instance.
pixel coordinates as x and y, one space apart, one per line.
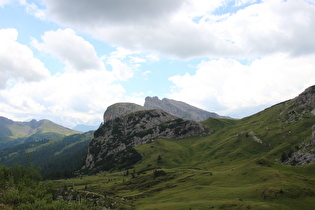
150 159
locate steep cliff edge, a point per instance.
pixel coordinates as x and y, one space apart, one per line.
112 146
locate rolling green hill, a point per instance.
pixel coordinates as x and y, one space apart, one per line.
14 133
57 157
264 161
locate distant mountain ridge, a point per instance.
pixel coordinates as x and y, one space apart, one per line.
179 109
13 132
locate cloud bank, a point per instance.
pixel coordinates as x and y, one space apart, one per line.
187 29
230 87
17 61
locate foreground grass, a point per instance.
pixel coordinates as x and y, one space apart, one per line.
237 167
176 175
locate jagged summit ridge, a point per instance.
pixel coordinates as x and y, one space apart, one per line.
179 109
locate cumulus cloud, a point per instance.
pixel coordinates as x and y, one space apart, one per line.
270 27
169 27
78 95
17 61
120 70
229 87
70 98
77 53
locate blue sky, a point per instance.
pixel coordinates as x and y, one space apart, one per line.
67 61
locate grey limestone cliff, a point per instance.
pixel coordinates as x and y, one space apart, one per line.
113 143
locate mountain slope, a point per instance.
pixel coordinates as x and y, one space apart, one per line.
58 157
112 146
243 164
13 133
179 109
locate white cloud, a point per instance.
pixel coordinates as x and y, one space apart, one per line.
71 49
271 27
4 2
69 99
33 9
120 70
168 27
228 87
79 95
17 61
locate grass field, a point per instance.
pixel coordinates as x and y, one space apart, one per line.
191 181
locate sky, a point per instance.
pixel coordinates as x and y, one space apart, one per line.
67 61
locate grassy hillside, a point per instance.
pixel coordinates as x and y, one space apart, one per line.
237 167
57 157
185 178
14 133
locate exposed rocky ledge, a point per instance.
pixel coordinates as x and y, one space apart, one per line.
112 146
306 153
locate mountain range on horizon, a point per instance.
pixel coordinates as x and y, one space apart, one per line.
15 132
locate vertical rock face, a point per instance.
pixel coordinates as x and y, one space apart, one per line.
112 146
179 109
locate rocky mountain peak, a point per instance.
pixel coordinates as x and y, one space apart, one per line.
112 146
120 109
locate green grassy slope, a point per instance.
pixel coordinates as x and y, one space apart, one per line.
13 133
57 157
237 167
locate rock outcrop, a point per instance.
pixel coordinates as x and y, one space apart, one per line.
120 109
305 154
179 109
300 108
112 146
